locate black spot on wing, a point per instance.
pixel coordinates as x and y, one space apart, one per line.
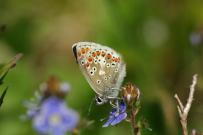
74 48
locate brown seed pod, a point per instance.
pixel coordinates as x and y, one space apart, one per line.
130 93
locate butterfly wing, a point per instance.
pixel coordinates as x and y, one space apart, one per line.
102 67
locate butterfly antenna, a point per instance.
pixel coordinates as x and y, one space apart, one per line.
90 107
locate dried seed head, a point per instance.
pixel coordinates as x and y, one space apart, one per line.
130 93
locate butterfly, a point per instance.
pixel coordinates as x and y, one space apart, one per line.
103 68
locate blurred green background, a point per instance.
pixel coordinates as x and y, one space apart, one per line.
161 42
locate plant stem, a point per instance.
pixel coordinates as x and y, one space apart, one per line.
135 128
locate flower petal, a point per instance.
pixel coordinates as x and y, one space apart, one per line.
119 118
122 107
109 121
70 120
57 131
40 124
64 87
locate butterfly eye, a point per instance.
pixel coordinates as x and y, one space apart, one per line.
104 61
99 100
116 70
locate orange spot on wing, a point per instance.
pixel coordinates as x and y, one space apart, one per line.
116 59
103 54
94 54
87 49
87 64
98 53
90 59
119 59
83 51
108 56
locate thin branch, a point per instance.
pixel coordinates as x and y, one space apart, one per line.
184 110
190 99
180 105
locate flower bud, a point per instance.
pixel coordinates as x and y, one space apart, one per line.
130 93
53 87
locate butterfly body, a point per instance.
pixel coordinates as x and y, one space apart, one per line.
102 67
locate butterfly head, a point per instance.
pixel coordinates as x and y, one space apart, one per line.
100 100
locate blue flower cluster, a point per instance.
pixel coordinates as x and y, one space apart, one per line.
49 114
54 117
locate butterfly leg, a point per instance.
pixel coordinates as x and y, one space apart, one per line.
115 104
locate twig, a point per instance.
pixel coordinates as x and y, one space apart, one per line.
184 110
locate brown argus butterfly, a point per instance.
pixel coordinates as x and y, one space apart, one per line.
103 68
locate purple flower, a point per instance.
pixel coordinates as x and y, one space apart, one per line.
116 115
54 117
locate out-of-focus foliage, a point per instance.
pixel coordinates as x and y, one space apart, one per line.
4 69
156 39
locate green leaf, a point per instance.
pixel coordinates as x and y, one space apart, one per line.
6 67
2 96
3 76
